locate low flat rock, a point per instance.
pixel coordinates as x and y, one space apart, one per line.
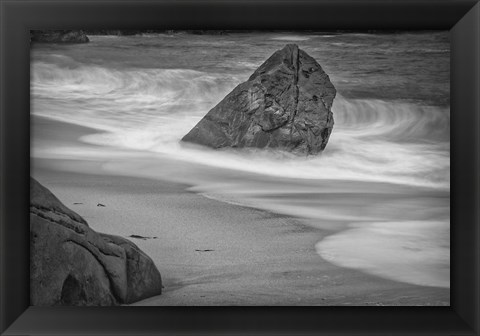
58 36
71 264
285 104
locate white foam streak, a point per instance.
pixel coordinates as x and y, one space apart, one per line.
290 38
366 152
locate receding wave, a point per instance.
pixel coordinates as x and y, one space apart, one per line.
416 252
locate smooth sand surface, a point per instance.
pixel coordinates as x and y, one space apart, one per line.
211 252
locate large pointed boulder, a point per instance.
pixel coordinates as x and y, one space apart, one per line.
285 104
71 264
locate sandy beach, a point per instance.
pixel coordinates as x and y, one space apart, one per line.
210 252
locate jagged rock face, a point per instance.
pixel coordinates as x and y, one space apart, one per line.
71 264
58 36
286 104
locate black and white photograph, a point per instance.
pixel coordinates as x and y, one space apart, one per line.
239 168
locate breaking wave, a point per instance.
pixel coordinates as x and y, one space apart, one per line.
152 109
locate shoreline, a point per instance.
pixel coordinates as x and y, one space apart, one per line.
258 257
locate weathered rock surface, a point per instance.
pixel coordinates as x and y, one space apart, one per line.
286 104
58 36
71 264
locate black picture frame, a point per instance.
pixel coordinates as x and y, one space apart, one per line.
461 17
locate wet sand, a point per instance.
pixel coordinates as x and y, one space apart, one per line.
211 252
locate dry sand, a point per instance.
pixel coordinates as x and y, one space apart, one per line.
210 252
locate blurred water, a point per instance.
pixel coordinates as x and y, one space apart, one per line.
391 133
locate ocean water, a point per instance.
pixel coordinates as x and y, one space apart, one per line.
384 178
